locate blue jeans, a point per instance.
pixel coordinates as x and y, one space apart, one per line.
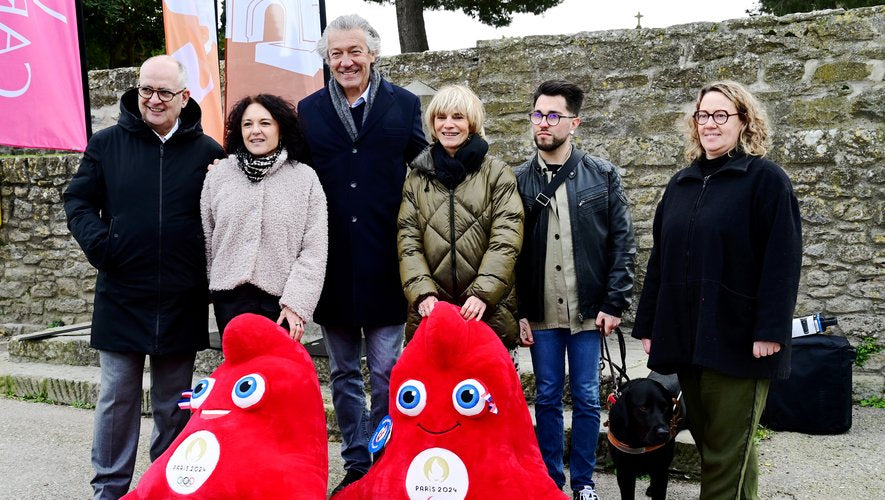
383 347
548 358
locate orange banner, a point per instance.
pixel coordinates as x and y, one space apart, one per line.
270 49
191 38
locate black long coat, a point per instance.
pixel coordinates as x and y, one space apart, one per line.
724 270
363 180
134 208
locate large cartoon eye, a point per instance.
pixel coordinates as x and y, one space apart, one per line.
201 391
468 397
248 390
412 398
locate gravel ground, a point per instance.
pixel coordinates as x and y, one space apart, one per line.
44 454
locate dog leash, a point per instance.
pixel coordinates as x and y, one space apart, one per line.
622 370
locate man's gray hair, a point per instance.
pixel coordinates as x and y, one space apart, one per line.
182 71
349 22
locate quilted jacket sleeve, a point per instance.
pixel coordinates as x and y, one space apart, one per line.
496 275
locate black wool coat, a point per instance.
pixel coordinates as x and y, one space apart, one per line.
134 208
724 270
363 180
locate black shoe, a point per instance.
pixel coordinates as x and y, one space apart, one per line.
350 476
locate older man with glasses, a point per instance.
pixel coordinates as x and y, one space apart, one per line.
134 208
574 277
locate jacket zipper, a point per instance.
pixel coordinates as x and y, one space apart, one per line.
452 235
694 212
159 256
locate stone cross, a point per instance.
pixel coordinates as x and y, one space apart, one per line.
638 17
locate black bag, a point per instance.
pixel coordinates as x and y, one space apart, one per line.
816 399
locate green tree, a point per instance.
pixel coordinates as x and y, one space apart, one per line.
783 7
122 33
497 13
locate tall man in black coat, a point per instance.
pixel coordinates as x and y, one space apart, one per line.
134 208
362 131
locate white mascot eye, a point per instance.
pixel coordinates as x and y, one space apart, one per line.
201 392
249 390
468 397
411 398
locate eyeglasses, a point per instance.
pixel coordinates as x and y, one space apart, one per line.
552 118
720 116
164 95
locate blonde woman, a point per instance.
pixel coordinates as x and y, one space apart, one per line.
460 222
721 283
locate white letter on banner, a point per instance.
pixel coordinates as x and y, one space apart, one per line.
12 36
51 12
12 10
16 93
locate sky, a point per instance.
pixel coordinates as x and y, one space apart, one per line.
455 30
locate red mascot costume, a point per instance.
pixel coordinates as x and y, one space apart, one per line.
258 428
459 426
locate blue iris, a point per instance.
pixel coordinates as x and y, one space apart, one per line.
409 397
246 386
467 396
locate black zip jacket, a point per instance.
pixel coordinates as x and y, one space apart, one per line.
134 208
602 239
724 270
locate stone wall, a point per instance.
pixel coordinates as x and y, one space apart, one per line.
820 76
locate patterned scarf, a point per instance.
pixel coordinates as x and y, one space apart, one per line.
256 167
342 107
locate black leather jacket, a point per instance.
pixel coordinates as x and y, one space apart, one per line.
602 239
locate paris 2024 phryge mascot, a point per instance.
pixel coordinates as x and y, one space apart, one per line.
258 428
459 426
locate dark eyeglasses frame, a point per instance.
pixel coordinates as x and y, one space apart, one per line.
700 120
164 95
538 117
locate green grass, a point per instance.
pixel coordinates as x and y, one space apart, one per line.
762 433
873 402
865 349
56 323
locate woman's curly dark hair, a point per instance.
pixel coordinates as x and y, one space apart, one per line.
284 112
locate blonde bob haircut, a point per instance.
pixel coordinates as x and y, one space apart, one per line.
754 138
456 99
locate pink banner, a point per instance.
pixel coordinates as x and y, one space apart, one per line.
41 90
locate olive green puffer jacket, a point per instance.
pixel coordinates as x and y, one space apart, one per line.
462 242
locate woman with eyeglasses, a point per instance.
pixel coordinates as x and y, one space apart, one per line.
264 218
460 222
720 288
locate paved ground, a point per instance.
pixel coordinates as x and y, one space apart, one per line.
44 454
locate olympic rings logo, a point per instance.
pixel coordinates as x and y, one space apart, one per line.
185 481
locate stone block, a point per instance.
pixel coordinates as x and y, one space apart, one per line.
782 72
870 103
822 112
845 304
841 71
66 305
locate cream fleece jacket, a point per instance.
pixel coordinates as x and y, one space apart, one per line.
272 234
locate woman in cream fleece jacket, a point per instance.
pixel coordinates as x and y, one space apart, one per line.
264 219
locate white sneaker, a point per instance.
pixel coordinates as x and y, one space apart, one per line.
587 493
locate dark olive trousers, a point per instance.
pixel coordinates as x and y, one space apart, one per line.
723 413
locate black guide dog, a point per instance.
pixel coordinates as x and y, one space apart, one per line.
643 423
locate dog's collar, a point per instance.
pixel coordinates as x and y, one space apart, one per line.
633 451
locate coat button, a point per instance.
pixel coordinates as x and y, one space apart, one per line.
560 300
558 267
353 184
555 236
353 150
353 218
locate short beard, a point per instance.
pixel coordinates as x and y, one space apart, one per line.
552 146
